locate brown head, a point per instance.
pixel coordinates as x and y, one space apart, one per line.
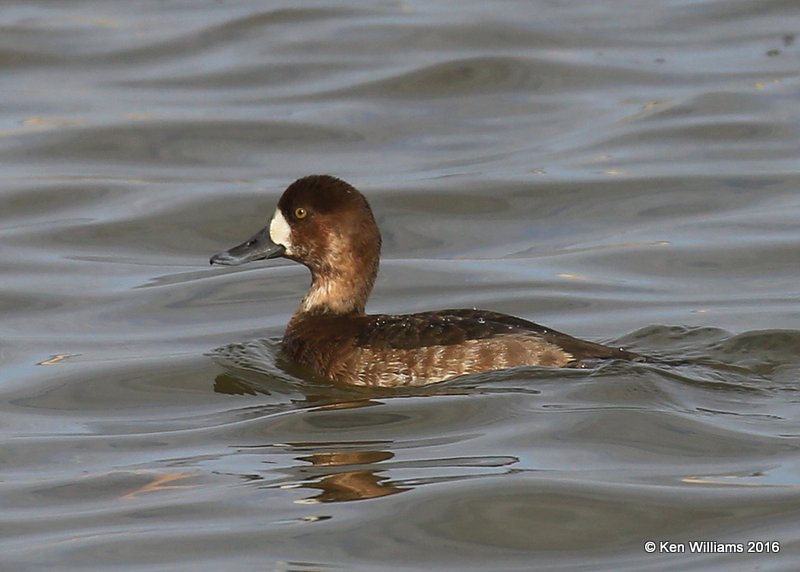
327 225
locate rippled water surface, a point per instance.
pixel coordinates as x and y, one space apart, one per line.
624 171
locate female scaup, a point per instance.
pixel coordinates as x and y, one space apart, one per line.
327 225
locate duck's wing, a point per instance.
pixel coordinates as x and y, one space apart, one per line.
453 327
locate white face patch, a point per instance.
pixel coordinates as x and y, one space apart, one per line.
280 232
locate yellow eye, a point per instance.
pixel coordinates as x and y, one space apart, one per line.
300 212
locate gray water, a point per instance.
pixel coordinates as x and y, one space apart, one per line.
624 171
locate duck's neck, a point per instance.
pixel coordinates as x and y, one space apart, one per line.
338 292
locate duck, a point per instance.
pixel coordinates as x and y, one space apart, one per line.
327 225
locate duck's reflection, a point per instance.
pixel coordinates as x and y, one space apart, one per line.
341 470
348 485
334 475
231 385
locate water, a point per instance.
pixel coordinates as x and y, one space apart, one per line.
623 171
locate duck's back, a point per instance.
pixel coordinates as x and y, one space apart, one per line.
428 347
